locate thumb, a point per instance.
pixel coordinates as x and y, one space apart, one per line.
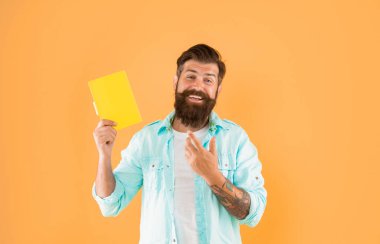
213 146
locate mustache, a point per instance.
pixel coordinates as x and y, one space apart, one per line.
201 94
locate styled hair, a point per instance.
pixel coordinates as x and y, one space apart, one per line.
204 54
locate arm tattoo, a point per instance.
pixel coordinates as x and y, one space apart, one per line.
234 199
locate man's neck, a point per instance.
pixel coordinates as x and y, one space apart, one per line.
178 126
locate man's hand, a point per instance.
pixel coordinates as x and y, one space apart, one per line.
105 135
205 163
202 161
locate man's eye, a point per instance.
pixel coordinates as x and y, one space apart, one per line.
191 77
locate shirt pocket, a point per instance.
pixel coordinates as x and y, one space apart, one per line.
154 174
227 166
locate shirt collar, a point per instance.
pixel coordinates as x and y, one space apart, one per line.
214 123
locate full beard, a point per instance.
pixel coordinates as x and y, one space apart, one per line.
193 114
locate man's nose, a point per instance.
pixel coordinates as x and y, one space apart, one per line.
198 83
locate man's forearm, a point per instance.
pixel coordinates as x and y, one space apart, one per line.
234 199
105 181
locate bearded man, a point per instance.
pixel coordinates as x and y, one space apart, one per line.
200 175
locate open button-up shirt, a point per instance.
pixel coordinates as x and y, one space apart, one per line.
147 163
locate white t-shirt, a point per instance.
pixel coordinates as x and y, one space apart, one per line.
184 197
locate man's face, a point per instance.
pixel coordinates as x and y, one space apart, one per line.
196 91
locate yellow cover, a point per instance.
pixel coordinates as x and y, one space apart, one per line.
113 99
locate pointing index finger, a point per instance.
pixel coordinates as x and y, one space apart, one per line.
190 147
198 144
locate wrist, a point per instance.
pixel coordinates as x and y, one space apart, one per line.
215 179
103 158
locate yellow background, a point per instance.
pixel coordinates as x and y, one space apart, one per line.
302 79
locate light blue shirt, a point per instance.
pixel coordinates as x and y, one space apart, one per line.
148 162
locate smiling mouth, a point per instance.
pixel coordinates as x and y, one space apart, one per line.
195 98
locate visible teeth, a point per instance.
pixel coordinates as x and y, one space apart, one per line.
196 97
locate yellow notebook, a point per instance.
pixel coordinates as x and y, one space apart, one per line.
113 99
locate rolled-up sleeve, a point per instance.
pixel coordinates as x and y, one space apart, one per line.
248 177
129 179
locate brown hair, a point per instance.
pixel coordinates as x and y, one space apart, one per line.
205 54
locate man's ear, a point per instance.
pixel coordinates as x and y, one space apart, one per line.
175 81
219 89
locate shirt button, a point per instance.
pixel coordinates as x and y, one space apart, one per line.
173 239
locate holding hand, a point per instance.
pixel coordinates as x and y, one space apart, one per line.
105 135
